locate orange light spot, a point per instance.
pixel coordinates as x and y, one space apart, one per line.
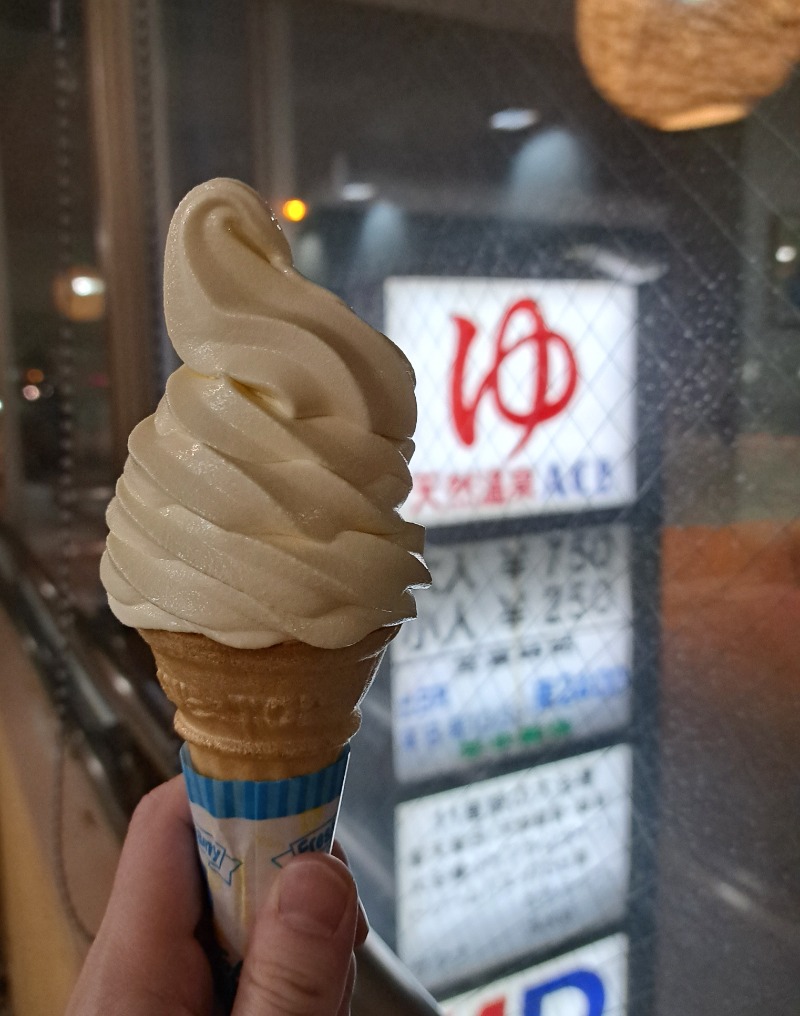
294 210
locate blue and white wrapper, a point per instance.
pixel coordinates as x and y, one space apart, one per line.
246 831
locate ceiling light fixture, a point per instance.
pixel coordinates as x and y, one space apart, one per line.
682 66
515 118
358 191
79 293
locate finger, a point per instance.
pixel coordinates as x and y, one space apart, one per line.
145 957
344 1008
157 885
362 926
301 947
338 851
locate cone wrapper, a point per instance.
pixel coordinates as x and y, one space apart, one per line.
247 831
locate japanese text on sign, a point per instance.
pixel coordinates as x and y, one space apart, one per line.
516 863
526 393
519 642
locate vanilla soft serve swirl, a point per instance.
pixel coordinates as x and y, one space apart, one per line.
260 502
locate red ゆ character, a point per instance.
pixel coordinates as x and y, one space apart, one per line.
543 342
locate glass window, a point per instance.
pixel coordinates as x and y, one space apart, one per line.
575 783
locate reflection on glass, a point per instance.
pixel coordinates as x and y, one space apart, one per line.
59 387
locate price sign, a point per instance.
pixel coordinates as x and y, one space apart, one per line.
526 393
520 641
516 863
590 981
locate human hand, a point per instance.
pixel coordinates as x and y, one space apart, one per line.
147 960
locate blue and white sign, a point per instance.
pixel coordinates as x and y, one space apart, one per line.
518 863
519 643
590 981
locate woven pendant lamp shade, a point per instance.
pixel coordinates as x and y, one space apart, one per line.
681 64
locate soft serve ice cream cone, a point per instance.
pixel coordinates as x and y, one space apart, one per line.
255 538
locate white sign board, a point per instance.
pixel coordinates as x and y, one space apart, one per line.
590 981
492 871
520 642
526 394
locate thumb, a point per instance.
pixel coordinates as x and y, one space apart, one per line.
301 947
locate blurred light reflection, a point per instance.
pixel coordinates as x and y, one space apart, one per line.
551 164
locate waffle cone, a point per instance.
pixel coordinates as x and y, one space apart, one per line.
264 714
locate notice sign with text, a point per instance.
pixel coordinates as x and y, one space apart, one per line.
512 865
520 642
526 394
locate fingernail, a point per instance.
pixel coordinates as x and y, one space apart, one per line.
312 898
